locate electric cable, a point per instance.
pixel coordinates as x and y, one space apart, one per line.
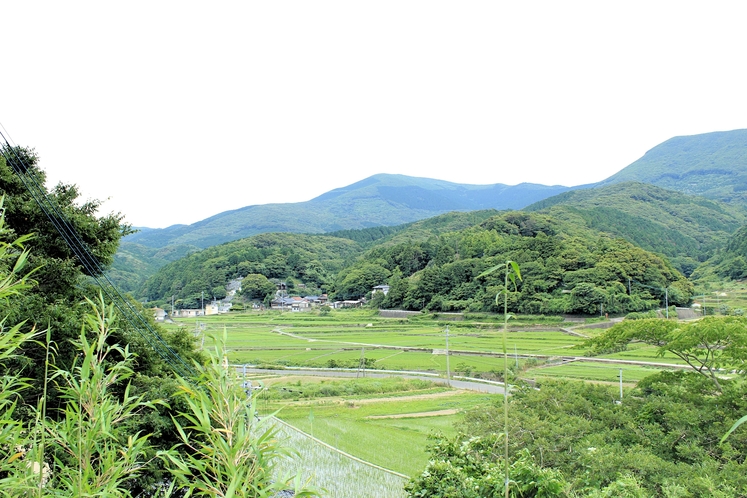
81 250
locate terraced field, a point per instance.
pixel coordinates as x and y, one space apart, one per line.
369 418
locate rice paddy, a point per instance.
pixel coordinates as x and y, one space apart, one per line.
387 422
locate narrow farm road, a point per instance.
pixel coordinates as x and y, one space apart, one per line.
459 384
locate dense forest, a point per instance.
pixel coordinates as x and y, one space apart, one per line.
428 266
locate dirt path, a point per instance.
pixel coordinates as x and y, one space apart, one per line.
411 397
436 413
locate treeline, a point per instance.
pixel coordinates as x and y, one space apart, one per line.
566 268
687 229
311 259
367 236
561 274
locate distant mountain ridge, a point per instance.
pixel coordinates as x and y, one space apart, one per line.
382 199
713 165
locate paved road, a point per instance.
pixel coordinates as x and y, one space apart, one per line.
459 384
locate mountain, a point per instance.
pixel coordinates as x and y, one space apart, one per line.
133 263
563 272
381 199
686 228
713 165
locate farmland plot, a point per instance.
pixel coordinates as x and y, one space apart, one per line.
337 474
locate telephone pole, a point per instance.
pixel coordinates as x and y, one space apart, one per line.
448 371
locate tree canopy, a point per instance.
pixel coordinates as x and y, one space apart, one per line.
707 345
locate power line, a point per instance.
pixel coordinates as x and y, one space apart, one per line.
82 252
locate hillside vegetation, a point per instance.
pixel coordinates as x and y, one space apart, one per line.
565 269
713 165
686 228
311 259
728 263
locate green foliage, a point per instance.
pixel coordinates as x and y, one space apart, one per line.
255 286
358 281
134 263
729 263
469 467
356 387
707 345
230 451
92 456
57 300
641 315
89 450
688 229
661 440
561 274
61 281
312 260
13 437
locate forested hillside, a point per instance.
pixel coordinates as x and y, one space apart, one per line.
431 265
562 273
713 165
133 263
686 228
311 259
728 263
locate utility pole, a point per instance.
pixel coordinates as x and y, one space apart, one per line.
361 364
666 300
448 371
202 300
704 305
621 385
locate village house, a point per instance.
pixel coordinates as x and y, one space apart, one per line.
159 314
188 313
380 288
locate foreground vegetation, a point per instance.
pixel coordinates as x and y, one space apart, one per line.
85 446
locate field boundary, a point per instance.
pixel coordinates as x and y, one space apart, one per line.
337 450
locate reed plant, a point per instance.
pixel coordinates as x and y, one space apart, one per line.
227 449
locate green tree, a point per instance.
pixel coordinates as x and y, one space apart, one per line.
359 281
62 284
255 286
707 345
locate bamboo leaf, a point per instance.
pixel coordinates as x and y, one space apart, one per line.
734 427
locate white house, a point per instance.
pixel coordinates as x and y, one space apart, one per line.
380 288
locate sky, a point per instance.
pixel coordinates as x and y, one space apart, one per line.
173 111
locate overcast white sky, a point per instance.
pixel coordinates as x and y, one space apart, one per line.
176 111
